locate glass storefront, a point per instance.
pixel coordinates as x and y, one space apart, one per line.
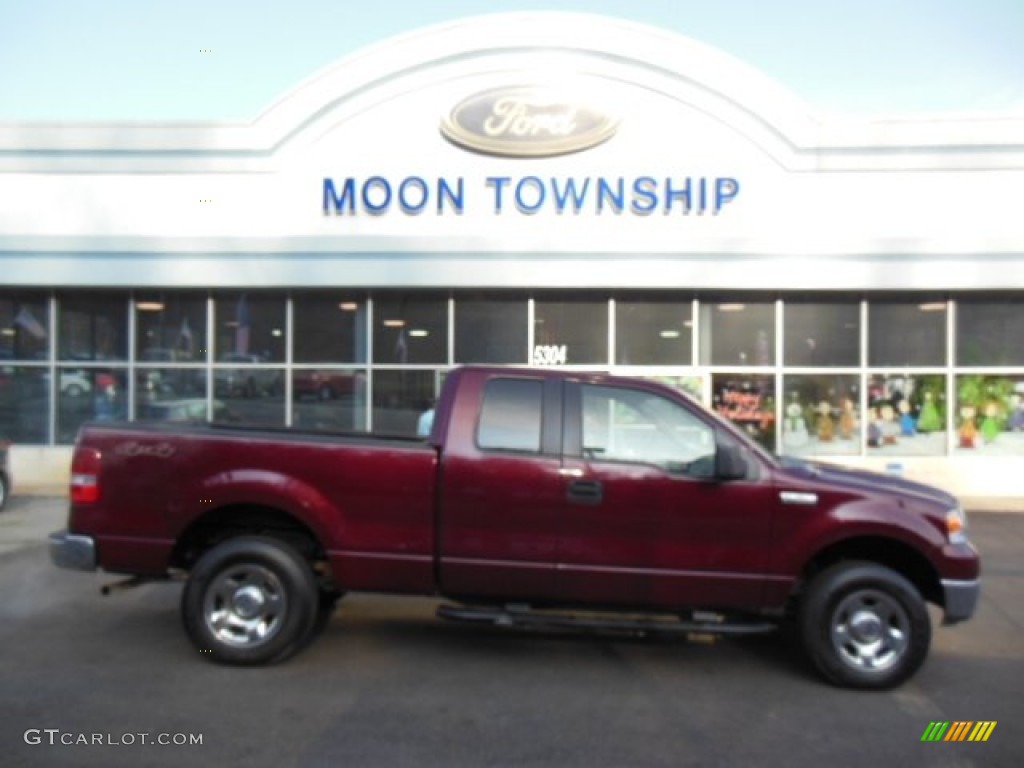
806 375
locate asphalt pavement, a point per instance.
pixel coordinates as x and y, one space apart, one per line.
87 680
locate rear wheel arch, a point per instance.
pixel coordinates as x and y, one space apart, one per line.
219 525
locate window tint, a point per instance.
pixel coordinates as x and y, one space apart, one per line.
511 415
908 334
635 426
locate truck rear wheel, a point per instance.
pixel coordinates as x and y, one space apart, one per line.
864 625
250 600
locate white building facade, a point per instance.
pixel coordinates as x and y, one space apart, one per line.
542 189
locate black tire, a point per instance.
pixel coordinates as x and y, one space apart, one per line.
250 600
864 626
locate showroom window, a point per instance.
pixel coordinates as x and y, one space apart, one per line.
821 335
24 326
250 328
170 328
570 331
906 414
737 333
989 419
747 400
329 328
491 329
404 400
410 329
653 332
821 415
92 326
910 333
990 333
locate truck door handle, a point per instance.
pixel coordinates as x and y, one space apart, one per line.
585 491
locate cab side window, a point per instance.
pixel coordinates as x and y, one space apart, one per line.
635 426
510 419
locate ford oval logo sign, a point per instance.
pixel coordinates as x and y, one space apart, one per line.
525 121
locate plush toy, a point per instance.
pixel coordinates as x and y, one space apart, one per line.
908 428
929 420
990 424
1016 421
968 432
795 434
889 426
847 420
826 429
874 428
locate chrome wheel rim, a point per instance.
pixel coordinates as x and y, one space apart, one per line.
245 606
870 631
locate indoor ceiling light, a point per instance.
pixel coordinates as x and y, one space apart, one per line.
419 333
149 306
348 306
731 307
933 306
394 323
668 333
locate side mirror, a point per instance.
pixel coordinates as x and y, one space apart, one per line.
729 462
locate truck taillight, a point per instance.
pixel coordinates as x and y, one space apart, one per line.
85 476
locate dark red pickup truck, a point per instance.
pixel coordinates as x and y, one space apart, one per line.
541 498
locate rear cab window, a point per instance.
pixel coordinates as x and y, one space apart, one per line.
511 416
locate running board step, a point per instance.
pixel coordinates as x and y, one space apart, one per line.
521 616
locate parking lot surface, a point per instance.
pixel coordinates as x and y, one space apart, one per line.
388 684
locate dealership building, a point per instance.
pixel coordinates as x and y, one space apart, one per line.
538 189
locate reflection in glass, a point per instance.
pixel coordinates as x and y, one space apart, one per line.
737 333
821 334
490 329
24 326
400 398
990 415
907 334
248 396
653 332
89 394
329 329
250 328
821 415
250 382
330 400
170 394
24 404
93 326
906 415
748 401
170 328
990 333
410 330
570 332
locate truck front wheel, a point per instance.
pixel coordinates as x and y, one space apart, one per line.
864 625
250 600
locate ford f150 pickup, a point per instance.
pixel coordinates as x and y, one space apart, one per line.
541 498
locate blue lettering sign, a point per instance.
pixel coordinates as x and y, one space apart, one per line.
605 193
645 195
563 194
539 194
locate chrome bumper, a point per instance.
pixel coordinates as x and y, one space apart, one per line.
961 599
68 550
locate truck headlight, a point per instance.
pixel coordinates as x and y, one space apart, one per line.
956 526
